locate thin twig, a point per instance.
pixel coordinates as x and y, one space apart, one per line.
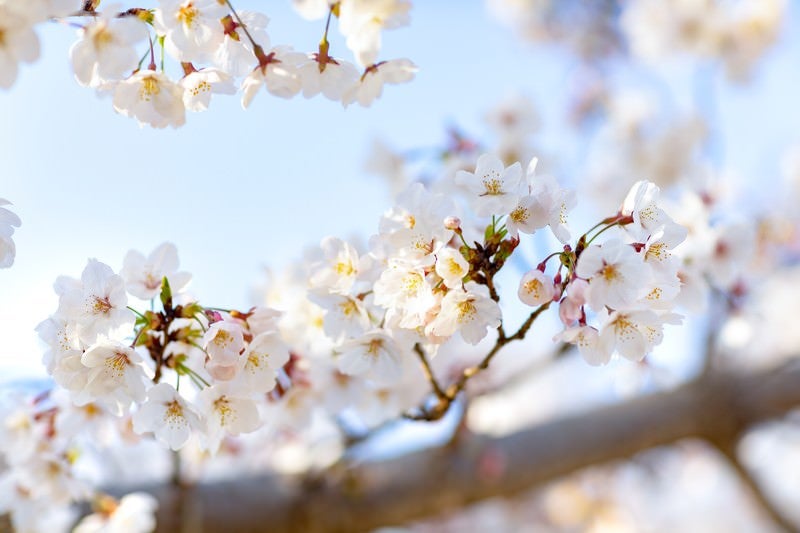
468 373
426 368
448 396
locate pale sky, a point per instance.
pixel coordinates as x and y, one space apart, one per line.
236 190
233 189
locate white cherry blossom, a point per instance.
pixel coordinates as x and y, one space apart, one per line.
151 98
370 86
134 513
116 377
339 267
494 188
362 21
451 266
167 415
634 333
18 45
331 78
594 348
224 344
469 311
345 316
375 355
536 288
106 50
226 413
235 54
552 203
641 204
280 76
312 9
143 275
264 356
96 303
616 274
414 228
198 86
405 291
191 28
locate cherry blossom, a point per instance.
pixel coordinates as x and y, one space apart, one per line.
452 267
19 44
143 275
634 333
329 76
265 355
536 288
96 303
116 378
151 98
198 86
616 274
224 344
374 355
362 21
370 85
226 413
167 415
494 187
280 76
106 51
191 28
594 348
469 311
134 513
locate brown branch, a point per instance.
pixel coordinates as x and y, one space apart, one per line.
428 371
468 373
717 407
446 397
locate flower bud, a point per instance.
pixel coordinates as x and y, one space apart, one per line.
452 223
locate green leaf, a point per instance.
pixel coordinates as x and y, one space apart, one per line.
488 233
166 294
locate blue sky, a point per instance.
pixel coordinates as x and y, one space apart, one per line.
236 190
233 189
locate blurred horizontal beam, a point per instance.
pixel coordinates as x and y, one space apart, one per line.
716 407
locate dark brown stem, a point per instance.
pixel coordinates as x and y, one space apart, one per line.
428 371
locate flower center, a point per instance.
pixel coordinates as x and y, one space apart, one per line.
466 311
101 306
187 14
149 88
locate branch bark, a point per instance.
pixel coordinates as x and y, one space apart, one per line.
716 407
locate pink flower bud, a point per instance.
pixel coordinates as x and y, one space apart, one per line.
452 223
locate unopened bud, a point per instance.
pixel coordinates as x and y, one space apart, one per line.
452 223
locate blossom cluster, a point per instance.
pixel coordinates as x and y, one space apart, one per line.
425 284
104 351
44 442
215 49
355 334
736 33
